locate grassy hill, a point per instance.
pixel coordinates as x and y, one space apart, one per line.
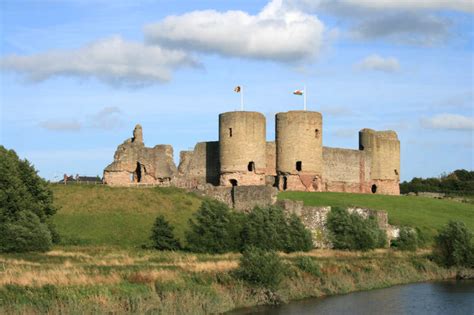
101 215
426 213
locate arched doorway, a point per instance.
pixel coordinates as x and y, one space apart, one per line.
374 188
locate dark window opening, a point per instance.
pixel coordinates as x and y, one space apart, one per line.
299 166
374 189
138 173
230 132
316 133
396 172
285 183
251 167
232 192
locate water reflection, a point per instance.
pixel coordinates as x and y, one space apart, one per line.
446 297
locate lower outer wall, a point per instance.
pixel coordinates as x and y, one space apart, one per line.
243 179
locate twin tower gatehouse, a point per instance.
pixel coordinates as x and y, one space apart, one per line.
296 160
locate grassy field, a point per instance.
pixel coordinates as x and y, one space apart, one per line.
108 272
94 280
122 217
426 213
101 215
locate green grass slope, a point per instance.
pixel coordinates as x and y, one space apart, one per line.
426 213
101 215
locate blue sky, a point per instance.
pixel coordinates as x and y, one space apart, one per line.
77 75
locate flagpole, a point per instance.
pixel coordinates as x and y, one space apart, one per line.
304 95
242 98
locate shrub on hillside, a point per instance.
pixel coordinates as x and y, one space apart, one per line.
270 229
217 229
298 236
265 228
211 229
162 235
307 264
261 268
407 239
454 245
26 206
351 231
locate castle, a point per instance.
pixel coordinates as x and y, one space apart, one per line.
295 161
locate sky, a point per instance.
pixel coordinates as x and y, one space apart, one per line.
76 76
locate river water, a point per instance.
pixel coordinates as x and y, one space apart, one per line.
439 297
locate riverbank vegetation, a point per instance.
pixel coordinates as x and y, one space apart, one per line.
106 279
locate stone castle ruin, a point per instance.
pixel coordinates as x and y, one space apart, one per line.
295 161
244 170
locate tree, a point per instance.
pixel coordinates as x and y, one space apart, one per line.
26 206
210 229
162 235
298 236
407 239
261 268
454 245
351 231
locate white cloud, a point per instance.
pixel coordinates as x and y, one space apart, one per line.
385 5
65 125
457 5
378 63
404 28
276 33
113 61
107 118
448 121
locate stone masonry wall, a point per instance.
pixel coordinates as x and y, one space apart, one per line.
314 218
199 166
346 170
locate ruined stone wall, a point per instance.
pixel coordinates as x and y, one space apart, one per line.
242 198
199 166
242 148
134 163
271 158
314 219
346 170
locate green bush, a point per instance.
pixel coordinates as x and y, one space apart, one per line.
307 264
211 229
26 206
24 233
162 235
298 237
261 268
454 245
352 232
265 228
407 239
270 229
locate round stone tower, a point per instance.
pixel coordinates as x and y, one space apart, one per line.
383 155
299 150
242 148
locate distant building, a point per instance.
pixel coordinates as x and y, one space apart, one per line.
80 179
